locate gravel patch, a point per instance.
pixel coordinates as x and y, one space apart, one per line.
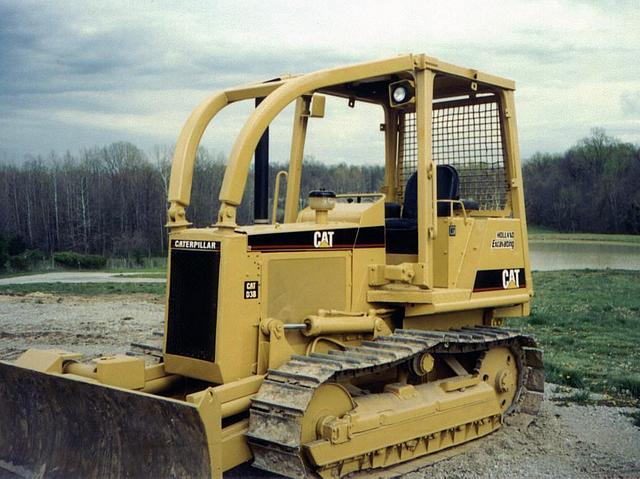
571 441
92 326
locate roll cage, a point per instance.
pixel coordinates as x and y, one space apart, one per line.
434 82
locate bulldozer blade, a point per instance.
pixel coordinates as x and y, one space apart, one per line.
52 426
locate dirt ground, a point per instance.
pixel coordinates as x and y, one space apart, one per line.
92 326
563 441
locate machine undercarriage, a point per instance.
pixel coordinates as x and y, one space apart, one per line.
391 400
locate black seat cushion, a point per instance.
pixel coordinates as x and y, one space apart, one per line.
402 232
392 210
401 223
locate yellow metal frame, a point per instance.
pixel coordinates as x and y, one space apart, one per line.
278 94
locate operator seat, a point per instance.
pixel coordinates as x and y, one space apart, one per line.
402 232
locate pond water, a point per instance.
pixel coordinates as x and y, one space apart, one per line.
548 255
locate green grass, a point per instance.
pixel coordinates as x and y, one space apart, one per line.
581 396
154 264
83 289
537 234
114 265
535 230
588 323
134 270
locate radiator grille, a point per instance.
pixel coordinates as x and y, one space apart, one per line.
193 304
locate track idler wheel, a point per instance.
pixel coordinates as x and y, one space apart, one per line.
330 402
500 367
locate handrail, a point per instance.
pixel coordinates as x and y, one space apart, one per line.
362 195
455 202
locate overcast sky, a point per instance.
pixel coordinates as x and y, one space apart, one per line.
79 74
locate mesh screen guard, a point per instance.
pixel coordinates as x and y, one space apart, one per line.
466 135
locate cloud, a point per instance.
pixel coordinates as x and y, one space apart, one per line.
77 74
630 103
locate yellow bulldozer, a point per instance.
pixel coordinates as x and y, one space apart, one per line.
362 330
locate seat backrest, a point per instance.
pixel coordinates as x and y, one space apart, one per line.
447 183
410 206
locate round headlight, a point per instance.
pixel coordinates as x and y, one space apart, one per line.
400 94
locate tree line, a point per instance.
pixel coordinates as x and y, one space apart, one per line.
111 201
592 187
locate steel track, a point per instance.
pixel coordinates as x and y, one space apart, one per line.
277 411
